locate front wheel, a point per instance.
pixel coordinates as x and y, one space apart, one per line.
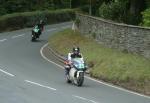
33 39
80 79
33 36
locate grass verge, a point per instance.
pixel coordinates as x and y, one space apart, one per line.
110 65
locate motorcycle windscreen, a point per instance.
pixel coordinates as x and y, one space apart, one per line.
36 29
79 64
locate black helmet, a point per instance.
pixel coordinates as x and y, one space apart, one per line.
76 50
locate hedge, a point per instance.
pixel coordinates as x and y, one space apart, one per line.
28 19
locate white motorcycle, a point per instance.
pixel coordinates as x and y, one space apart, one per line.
76 73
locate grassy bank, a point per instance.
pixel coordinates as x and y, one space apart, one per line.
110 65
28 19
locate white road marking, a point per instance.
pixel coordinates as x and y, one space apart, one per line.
39 85
41 51
79 97
93 101
7 73
119 88
85 99
2 40
16 36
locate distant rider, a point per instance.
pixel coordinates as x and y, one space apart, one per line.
38 27
41 25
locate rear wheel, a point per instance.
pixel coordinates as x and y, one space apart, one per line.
67 79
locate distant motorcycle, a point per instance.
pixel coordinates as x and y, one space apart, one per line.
36 32
76 73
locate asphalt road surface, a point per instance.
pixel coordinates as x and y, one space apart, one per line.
26 77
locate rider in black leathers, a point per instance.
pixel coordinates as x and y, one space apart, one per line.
75 54
40 26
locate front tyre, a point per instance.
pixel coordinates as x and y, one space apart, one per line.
33 36
80 79
33 39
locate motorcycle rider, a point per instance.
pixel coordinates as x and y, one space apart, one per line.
39 26
35 31
75 54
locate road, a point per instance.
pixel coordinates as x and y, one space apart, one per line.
26 77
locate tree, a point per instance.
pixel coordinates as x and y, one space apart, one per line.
128 11
135 9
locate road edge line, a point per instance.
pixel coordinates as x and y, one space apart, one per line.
93 79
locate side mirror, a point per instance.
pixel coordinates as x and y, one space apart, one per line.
86 67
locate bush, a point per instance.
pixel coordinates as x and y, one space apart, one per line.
28 19
147 3
146 17
85 8
113 11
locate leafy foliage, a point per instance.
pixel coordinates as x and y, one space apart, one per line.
126 11
11 6
28 19
112 11
117 11
146 17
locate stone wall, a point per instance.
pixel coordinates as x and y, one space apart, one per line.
128 38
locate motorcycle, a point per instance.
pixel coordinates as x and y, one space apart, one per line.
36 32
76 73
